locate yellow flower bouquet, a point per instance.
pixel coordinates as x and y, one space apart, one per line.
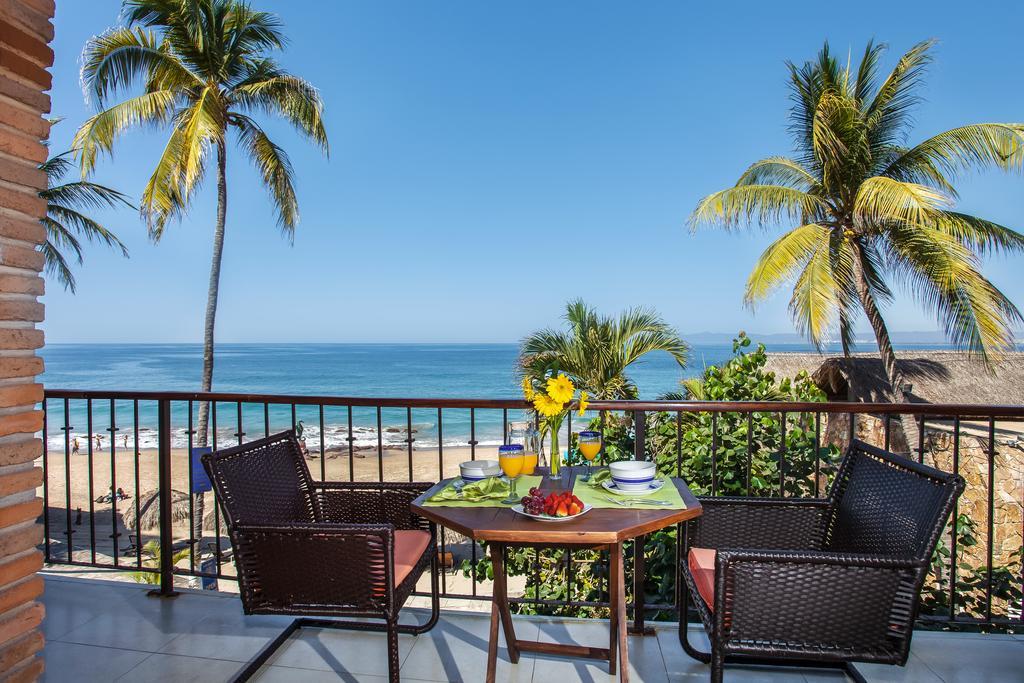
551 395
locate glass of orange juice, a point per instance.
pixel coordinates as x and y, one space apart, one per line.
590 446
511 460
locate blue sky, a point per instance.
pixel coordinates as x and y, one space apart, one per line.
491 161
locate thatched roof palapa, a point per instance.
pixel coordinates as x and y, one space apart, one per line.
934 376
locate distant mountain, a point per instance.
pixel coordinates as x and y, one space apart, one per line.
863 338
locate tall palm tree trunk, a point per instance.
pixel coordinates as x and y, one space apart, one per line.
885 350
202 435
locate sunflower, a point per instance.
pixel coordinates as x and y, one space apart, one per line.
561 388
546 406
583 402
528 389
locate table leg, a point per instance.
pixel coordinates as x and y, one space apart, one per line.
500 611
619 597
613 605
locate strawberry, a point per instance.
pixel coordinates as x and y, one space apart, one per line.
562 510
575 508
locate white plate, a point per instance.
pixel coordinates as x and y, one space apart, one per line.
610 486
518 509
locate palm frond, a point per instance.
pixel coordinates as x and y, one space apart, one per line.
979 235
778 171
86 194
897 96
121 56
782 259
761 204
99 132
816 299
275 168
55 264
70 221
980 145
290 97
945 276
881 200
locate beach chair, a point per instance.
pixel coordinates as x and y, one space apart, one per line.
817 582
321 549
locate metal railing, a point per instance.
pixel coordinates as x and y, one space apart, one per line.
145 441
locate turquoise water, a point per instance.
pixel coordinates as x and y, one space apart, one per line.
370 370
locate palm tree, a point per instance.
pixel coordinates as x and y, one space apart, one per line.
597 350
870 210
65 223
204 70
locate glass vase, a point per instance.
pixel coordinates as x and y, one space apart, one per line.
555 471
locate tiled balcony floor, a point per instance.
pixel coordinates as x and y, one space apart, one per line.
111 631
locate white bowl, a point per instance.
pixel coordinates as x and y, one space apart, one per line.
633 475
475 470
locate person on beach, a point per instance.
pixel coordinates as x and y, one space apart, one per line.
99 442
126 441
74 446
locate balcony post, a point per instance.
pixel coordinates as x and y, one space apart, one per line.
640 542
164 478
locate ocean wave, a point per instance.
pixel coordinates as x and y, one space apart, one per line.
335 437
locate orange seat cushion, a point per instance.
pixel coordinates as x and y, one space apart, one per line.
409 547
702 567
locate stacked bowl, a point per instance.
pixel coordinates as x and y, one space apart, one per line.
475 470
633 475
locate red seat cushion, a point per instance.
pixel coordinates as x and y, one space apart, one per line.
409 547
702 567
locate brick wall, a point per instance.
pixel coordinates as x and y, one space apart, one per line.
25 31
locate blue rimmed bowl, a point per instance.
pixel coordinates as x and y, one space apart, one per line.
633 475
476 470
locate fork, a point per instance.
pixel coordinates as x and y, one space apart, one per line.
630 502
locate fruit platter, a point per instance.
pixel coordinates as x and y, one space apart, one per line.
555 506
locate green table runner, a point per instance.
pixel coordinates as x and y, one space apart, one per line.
487 493
593 493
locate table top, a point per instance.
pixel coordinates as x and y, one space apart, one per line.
600 526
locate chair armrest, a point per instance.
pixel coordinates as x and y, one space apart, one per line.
809 599
292 567
768 523
370 503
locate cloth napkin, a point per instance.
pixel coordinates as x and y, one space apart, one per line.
485 489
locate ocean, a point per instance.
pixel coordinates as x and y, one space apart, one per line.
369 370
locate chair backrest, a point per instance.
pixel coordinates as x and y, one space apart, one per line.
263 482
883 504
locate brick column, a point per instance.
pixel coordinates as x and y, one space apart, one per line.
25 31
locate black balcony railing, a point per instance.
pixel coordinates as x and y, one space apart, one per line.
119 480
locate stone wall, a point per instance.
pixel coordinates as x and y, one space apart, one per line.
25 31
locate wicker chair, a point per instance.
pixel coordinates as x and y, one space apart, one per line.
327 549
810 582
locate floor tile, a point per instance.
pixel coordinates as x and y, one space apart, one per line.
160 668
645 659
87 663
233 637
975 661
284 674
354 652
914 672
456 650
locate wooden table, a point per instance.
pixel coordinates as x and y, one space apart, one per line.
601 529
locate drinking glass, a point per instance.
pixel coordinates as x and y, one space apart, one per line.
590 446
510 458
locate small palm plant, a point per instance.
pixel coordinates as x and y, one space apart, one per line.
597 350
869 210
66 223
151 553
